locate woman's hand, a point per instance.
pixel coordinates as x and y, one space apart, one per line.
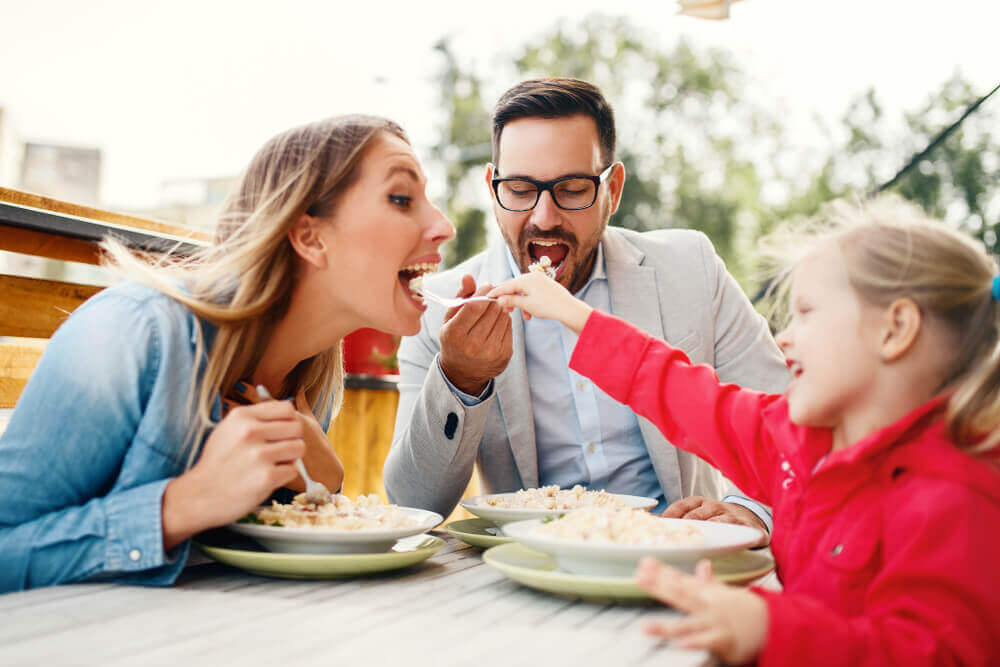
320 459
249 454
537 295
728 621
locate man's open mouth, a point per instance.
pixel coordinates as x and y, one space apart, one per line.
556 251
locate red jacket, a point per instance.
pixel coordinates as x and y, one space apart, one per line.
888 550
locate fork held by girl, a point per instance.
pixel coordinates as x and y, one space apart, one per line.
880 459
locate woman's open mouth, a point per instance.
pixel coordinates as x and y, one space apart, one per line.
411 277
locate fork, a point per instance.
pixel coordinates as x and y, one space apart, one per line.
450 302
316 492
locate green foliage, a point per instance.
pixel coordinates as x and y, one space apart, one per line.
698 153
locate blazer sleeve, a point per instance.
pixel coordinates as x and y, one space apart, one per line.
436 437
721 423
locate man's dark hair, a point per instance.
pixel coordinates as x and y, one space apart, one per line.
556 98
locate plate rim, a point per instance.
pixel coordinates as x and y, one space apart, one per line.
627 551
337 535
492 540
610 580
509 514
436 544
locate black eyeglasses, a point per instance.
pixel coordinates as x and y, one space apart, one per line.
570 193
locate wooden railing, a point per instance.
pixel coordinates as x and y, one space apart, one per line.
32 308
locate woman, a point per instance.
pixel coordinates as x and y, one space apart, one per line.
120 449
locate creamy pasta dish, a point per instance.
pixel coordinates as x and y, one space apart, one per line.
553 498
365 513
617 525
543 265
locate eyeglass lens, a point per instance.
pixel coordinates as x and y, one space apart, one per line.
573 193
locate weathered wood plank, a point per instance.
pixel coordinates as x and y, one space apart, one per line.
439 614
35 308
57 206
39 244
17 360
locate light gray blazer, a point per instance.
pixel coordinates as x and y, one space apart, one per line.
668 282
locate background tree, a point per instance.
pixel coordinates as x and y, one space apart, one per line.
700 152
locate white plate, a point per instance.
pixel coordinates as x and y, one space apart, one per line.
501 516
604 559
319 540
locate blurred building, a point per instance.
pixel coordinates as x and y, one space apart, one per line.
11 151
70 173
193 202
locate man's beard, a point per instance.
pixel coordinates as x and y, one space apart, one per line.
577 264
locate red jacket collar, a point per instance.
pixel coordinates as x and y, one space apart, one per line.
884 438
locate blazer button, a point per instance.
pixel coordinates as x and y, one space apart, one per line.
450 424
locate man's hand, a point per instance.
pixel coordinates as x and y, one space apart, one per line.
476 340
706 509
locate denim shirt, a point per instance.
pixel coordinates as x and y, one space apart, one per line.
98 432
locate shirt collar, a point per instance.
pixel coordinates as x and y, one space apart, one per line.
598 272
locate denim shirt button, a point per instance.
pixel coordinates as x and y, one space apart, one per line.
134 555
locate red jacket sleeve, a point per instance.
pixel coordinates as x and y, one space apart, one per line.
934 601
721 423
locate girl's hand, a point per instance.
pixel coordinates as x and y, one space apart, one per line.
537 295
249 454
728 621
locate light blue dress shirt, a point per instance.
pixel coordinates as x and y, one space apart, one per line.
582 435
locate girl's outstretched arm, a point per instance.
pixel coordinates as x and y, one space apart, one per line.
721 423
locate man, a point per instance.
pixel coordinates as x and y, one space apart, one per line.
479 385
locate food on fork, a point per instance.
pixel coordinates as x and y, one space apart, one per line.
553 498
412 276
543 265
621 525
366 513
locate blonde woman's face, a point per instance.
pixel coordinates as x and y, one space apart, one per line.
830 344
384 232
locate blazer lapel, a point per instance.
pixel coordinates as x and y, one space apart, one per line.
635 298
511 386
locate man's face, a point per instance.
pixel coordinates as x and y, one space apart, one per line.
543 149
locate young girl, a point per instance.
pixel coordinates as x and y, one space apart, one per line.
105 467
880 459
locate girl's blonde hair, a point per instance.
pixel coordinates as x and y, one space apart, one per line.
243 282
892 250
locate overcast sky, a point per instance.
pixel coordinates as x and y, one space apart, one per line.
191 88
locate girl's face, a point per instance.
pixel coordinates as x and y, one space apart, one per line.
382 233
830 344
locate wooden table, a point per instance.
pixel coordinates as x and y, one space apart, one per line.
449 610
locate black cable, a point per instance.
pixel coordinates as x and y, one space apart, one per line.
937 140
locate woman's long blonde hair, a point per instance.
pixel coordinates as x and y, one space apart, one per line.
243 282
892 250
